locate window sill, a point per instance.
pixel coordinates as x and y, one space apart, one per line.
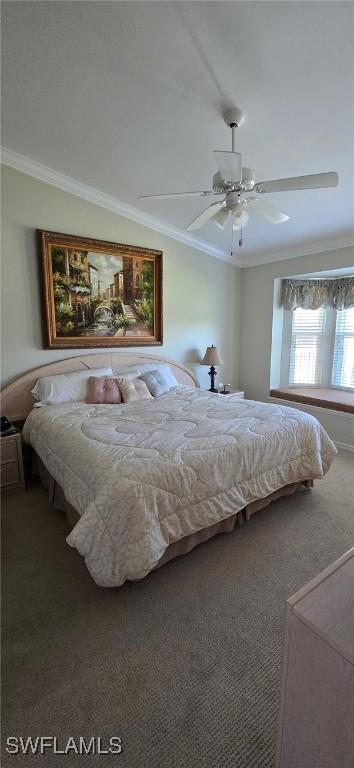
334 399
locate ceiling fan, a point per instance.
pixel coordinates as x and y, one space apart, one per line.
235 182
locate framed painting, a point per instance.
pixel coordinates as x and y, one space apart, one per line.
100 294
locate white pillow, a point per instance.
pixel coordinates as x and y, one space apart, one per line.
128 371
65 388
167 374
133 372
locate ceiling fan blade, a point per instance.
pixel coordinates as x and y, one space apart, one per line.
177 194
267 211
207 214
311 181
230 165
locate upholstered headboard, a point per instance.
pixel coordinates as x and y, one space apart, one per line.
17 401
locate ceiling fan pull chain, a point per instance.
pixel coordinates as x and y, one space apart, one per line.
233 141
232 242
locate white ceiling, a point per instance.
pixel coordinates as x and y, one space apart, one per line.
127 97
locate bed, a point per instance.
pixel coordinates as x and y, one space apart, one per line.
144 482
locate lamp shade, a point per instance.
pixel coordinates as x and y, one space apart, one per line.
212 357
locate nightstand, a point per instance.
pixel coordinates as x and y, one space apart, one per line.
232 391
12 475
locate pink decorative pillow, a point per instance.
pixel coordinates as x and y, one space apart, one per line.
103 389
133 389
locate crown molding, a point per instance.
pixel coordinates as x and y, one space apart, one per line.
67 184
305 249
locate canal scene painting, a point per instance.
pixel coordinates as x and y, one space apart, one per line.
100 294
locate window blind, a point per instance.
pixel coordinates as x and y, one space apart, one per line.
343 358
306 346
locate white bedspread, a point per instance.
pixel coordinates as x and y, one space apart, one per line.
143 475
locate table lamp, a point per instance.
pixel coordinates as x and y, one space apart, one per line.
212 357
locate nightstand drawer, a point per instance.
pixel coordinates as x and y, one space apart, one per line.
10 474
8 450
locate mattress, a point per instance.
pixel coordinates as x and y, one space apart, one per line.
146 474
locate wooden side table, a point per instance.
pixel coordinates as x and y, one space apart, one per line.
12 474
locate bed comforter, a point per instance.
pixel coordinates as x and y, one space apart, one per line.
143 475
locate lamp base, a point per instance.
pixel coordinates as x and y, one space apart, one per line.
212 373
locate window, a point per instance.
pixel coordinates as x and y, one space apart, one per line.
321 348
306 346
343 357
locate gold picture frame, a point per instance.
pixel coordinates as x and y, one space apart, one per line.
99 294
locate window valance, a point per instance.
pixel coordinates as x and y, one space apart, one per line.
335 293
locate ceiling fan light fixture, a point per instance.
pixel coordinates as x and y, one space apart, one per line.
240 219
221 218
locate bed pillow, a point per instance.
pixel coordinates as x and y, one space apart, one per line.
66 387
103 389
128 371
164 369
155 382
166 372
133 389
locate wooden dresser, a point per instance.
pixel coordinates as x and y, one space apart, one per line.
316 728
12 475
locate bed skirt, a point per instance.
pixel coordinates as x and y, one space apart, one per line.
185 545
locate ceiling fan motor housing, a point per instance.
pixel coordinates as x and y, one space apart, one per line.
233 201
226 187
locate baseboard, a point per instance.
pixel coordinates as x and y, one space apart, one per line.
345 446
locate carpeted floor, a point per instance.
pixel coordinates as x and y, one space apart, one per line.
184 665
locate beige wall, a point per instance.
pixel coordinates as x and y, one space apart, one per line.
257 320
202 295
